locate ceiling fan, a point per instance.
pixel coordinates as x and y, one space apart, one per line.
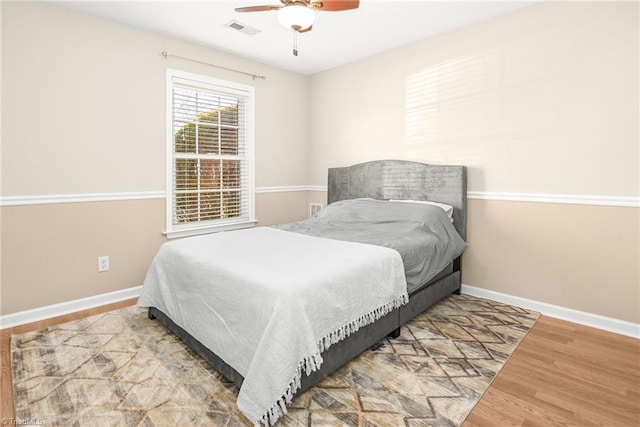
299 15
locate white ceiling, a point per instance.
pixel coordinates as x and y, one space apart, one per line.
337 38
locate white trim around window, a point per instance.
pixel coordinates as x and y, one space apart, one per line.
211 170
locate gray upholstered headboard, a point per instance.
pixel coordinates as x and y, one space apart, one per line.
400 179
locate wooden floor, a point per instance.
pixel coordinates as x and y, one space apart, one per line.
562 374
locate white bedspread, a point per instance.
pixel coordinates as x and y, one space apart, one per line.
268 302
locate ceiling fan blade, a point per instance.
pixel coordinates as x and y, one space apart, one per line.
334 5
306 29
257 8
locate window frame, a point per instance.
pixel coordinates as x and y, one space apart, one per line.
209 83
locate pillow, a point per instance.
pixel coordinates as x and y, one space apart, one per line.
447 208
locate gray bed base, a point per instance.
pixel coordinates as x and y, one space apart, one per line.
342 352
385 179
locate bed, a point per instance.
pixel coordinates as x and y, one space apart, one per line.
361 185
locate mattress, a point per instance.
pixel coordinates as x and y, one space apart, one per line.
423 234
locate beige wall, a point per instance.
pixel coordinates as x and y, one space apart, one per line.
540 100
581 257
84 112
544 100
50 251
277 208
96 90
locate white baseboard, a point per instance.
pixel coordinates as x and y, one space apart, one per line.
49 311
594 320
588 319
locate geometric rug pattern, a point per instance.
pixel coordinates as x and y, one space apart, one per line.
122 369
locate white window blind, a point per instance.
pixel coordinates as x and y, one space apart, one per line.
211 154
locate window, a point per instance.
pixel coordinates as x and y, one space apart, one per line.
209 154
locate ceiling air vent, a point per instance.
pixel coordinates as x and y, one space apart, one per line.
235 25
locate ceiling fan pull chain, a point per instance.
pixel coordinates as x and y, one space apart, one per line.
295 43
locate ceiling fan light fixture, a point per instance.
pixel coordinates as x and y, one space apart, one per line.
296 17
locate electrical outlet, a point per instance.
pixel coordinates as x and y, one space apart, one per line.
103 263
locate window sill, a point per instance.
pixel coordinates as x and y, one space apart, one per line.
187 232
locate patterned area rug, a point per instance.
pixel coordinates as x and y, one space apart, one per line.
122 369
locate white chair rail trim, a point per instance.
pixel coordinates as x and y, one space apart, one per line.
49 199
567 199
571 199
